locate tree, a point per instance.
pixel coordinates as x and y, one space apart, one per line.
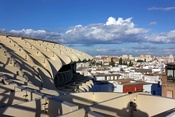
120 61
92 63
112 63
101 63
130 63
144 60
124 63
139 60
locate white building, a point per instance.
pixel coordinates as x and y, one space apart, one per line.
151 78
135 75
170 58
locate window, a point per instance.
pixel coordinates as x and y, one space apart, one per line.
170 72
170 75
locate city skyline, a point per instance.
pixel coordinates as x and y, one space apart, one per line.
108 27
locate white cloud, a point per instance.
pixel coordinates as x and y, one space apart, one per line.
28 32
2 30
113 31
40 34
168 37
120 22
152 23
162 8
144 47
101 50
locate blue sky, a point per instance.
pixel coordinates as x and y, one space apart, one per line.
97 27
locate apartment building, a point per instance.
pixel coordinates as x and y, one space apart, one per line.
168 81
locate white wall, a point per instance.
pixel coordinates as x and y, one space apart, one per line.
117 87
147 88
100 78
